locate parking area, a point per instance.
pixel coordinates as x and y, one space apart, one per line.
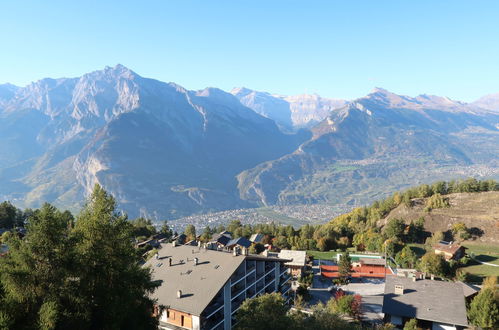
371 290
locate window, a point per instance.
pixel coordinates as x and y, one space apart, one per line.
182 320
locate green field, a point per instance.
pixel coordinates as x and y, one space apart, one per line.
419 249
485 253
326 255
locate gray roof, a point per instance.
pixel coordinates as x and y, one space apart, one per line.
469 289
199 284
256 238
429 300
241 241
298 257
221 239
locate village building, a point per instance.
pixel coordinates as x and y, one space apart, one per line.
450 250
298 261
219 240
203 289
435 304
256 238
240 242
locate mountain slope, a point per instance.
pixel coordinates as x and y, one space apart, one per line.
157 147
478 211
377 144
165 151
289 112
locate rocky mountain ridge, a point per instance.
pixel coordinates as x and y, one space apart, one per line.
167 152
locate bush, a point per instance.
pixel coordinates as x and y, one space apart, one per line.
436 202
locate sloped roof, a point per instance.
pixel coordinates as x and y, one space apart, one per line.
221 239
469 289
451 248
199 283
242 241
298 257
256 238
226 233
429 300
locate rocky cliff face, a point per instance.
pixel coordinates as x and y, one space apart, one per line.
376 144
157 147
164 151
289 112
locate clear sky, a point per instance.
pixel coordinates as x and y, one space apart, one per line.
339 49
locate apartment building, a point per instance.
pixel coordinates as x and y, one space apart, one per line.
203 289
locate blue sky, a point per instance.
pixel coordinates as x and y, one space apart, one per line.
339 49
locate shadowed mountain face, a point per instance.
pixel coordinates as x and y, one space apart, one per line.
160 149
164 151
377 144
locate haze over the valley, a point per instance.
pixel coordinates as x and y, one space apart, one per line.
167 152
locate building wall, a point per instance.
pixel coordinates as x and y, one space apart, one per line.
178 318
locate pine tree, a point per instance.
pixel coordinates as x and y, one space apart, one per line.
112 284
37 275
484 311
345 267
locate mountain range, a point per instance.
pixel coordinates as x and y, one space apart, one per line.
164 151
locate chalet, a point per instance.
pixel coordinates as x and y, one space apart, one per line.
151 242
470 291
241 242
219 240
298 260
203 289
226 233
435 304
256 238
180 239
449 250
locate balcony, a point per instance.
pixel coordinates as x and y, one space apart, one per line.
260 285
214 323
238 275
213 308
237 289
269 266
250 266
270 287
236 303
282 268
260 268
250 279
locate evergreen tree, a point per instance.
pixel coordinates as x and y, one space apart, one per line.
38 275
344 267
484 309
113 287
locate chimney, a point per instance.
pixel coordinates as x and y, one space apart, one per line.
195 261
399 289
179 294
